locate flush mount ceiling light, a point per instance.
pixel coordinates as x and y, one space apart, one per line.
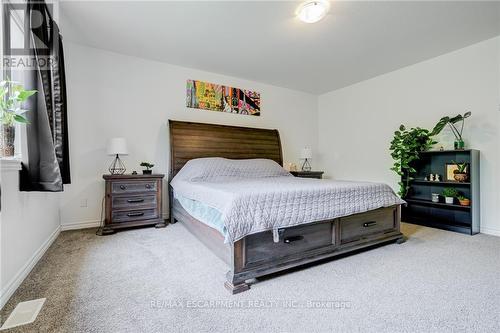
313 11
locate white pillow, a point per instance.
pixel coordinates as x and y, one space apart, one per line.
218 168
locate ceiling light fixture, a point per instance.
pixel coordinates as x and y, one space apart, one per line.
313 11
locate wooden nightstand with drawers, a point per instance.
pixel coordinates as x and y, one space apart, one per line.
308 174
131 201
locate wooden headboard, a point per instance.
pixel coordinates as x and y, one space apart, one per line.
195 140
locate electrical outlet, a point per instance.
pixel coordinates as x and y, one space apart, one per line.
83 203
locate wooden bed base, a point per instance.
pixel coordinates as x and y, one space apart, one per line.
258 254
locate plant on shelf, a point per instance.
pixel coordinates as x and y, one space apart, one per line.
405 149
148 167
452 122
12 97
449 195
460 174
464 201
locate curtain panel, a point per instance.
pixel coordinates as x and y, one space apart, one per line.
47 166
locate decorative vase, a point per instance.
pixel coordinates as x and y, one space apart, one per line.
448 200
147 172
459 145
461 177
435 197
7 137
464 202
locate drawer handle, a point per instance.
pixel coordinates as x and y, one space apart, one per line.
369 224
123 187
135 200
135 214
148 186
289 240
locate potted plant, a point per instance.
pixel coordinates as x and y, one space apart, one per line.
148 167
451 121
449 195
12 96
460 174
464 201
405 150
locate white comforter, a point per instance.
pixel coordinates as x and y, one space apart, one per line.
257 195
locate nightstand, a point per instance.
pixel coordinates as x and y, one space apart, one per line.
308 174
132 200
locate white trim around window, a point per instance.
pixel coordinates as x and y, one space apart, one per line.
10 164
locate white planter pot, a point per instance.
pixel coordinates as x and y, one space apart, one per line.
449 200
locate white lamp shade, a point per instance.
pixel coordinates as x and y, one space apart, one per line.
306 153
117 146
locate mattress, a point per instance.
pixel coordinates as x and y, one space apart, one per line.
244 197
203 213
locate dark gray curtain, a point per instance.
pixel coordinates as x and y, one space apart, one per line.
47 168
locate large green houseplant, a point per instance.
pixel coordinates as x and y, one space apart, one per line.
405 149
12 97
408 143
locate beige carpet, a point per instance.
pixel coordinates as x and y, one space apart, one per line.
164 280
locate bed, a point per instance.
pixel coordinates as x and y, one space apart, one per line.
268 220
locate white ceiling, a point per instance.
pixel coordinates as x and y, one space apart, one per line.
263 41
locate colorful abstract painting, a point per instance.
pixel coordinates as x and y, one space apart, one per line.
216 97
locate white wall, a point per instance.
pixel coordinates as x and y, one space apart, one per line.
115 95
29 223
357 123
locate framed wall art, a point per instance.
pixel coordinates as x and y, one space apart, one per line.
216 97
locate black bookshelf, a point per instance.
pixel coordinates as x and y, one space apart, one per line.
421 210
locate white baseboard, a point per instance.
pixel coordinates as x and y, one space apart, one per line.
16 281
80 225
490 231
89 224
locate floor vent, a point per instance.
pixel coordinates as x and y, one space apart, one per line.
24 313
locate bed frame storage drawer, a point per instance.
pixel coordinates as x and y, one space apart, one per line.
261 247
360 226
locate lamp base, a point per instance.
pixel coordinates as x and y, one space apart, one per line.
306 166
117 167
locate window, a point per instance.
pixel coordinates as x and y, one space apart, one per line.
14 40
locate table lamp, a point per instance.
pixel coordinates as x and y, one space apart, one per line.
117 147
306 154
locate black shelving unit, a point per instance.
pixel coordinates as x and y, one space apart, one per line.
421 210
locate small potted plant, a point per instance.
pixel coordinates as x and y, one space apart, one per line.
456 129
464 201
12 97
460 174
449 195
148 167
